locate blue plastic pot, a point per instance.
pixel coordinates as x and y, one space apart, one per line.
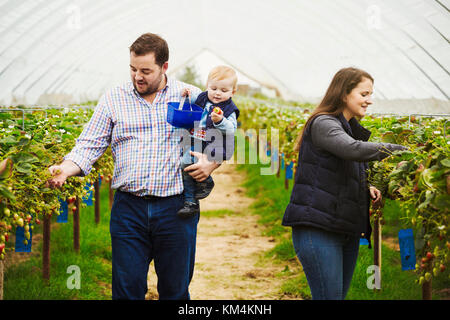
184 118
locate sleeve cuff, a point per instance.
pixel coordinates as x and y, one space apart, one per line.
218 123
80 162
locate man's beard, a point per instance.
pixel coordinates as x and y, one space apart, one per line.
151 87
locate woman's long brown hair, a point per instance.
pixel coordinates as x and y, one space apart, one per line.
343 82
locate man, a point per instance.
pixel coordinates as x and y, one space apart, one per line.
148 182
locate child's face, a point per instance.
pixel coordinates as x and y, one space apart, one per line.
220 90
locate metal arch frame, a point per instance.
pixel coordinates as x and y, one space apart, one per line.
356 21
51 52
80 64
76 36
411 38
399 64
33 43
421 70
307 17
14 23
84 55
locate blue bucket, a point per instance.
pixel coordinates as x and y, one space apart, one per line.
184 118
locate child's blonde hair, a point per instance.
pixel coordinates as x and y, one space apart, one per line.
223 72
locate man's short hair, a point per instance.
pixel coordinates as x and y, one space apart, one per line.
223 72
151 43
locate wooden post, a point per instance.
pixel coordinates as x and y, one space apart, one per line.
279 166
426 286
111 194
97 200
294 173
1 279
46 247
377 243
76 226
426 290
286 180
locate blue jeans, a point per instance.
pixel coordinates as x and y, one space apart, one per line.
328 260
143 230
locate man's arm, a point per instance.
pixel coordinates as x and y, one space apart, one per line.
62 171
90 145
203 168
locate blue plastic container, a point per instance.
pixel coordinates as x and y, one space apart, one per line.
184 118
407 249
63 212
363 242
88 200
290 170
20 236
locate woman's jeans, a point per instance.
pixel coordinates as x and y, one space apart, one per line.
146 229
328 260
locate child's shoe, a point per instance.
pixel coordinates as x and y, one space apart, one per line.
189 209
204 188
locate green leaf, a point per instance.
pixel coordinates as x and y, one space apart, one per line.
24 167
23 141
446 162
5 193
388 137
25 157
6 167
8 139
442 202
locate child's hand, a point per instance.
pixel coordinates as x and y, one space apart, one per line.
216 117
186 92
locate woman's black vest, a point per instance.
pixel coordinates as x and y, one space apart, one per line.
329 192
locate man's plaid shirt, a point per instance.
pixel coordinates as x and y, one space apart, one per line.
145 147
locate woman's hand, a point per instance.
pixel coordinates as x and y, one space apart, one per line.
375 194
203 168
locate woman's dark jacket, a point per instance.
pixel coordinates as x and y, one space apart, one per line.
330 190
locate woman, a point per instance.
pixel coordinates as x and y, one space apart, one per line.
329 205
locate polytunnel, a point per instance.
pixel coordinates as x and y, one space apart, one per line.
72 51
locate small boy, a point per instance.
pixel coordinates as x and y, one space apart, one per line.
219 113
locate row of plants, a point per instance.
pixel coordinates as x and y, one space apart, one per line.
419 178
30 142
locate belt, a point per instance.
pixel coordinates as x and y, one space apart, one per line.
148 197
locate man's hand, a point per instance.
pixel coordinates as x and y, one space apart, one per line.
203 168
61 172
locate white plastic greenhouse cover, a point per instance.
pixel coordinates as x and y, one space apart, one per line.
72 51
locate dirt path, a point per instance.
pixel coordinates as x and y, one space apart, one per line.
229 247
